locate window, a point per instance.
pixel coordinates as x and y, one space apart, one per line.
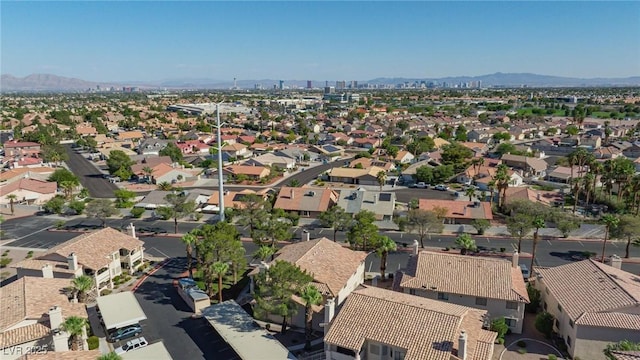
412 291
385 350
374 349
398 355
481 301
512 305
443 296
511 322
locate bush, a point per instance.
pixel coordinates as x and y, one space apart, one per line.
500 326
4 262
522 344
137 212
93 342
534 299
77 206
500 341
552 357
60 224
522 351
105 292
55 205
544 324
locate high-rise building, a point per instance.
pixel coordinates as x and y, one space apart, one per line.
281 84
354 84
309 84
341 85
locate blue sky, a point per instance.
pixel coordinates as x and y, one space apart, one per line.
328 40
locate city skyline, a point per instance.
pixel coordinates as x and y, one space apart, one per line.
152 41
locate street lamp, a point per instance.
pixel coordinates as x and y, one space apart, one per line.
220 184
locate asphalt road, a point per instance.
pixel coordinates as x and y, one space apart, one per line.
311 174
90 177
169 318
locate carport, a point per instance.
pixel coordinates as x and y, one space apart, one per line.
120 310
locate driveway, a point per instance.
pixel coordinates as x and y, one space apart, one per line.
536 346
90 177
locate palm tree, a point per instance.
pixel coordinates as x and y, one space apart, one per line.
189 240
538 223
148 172
110 356
67 188
587 185
502 179
220 269
384 246
610 222
82 285
74 326
165 186
470 192
466 243
311 297
264 252
12 198
576 193
491 186
382 178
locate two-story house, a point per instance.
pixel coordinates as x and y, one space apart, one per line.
101 254
490 284
599 306
379 324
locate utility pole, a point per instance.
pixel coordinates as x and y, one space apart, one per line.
220 181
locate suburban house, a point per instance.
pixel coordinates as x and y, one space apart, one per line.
531 167
28 191
599 306
33 308
18 149
336 271
307 202
355 176
366 163
245 171
549 198
102 254
232 199
133 136
271 160
152 146
380 203
170 173
377 324
404 157
39 173
563 174
236 151
493 285
459 212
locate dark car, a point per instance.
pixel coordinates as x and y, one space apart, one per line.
125 333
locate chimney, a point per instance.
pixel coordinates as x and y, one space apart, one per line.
133 230
616 261
72 261
60 338
291 194
515 259
462 346
415 246
329 312
305 235
55 317
47 271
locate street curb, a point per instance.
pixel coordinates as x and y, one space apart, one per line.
142 279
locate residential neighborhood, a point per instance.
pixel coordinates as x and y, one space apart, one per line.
407 223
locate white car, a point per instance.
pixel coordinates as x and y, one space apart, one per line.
132 345
441 187
421 185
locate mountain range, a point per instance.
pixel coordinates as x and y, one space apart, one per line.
50 82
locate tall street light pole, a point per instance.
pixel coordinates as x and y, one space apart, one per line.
220 182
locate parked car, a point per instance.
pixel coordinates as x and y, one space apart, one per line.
125 333
441 187
421 185
525 271
131 345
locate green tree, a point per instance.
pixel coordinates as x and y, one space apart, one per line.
629 229
101 209
189 240
220 269
544 324
567 224
481 225
67 187
382 178
276 227
610 222
165 186
470 192
311 297
363 230
538 223
74 326
110 356
457 155
519 225
264 252
505 148
572 130
422 222
123 198
119 162
148 173
55 205
275 288
254 212
12 198
624 345
502 179
81 286
335 218
534 299
61 175
172 151
461 133
466 243
383 246
218 243
178 207
500 326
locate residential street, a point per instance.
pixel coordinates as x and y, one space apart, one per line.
90 177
